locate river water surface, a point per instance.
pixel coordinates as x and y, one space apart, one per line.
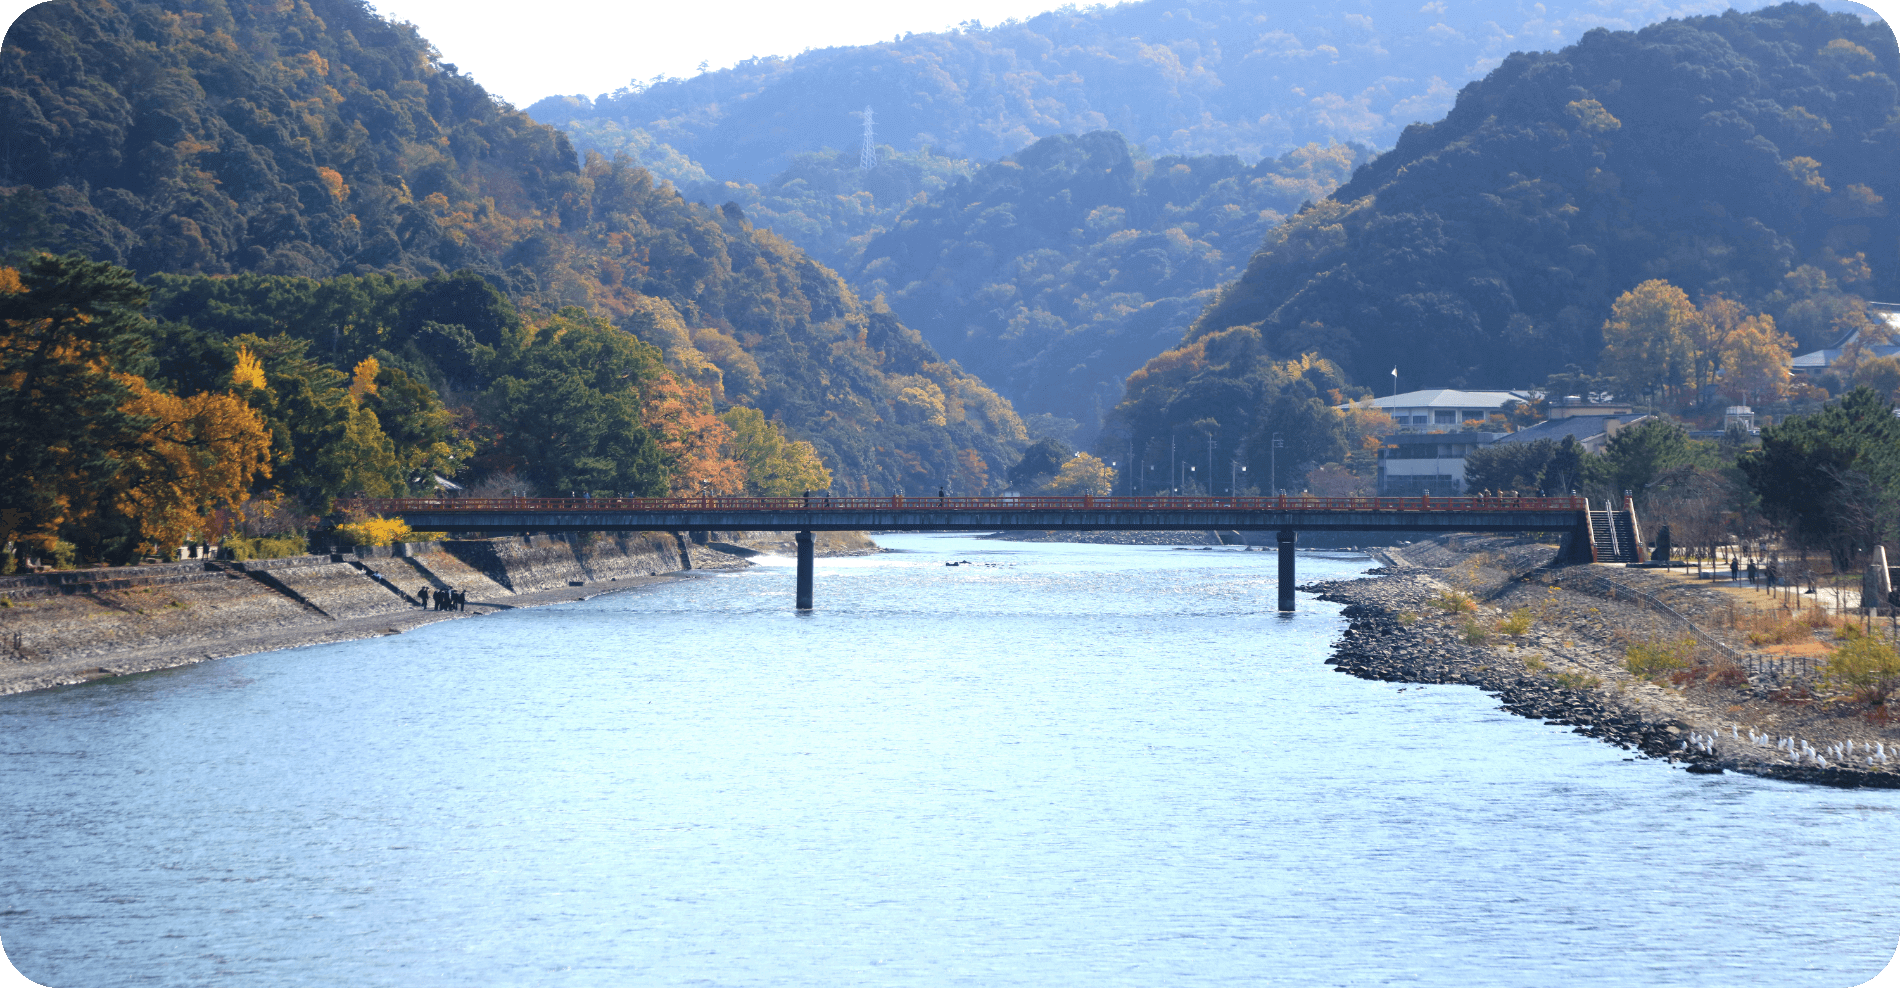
1059 765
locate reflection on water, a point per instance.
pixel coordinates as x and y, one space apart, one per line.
1057 765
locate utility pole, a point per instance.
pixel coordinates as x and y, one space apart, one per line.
1273 466
1173 467
1210 464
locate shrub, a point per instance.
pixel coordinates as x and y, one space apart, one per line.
267 547
1519 622
1727 674
1408 617
375 531
1781 634
1473 632
1654 660
1576 681
1535 664
1454 602
1867 668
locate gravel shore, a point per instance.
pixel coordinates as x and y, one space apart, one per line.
1567 666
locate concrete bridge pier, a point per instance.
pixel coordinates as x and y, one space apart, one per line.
804 570
1286 569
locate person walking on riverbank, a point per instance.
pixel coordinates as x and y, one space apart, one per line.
422 596
1734 569
1753 573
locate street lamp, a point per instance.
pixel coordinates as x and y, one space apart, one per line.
1273 464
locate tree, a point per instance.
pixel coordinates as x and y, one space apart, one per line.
199 455
72 342
1082 474
1311 431
1637 455
1044 458
1648 340
571 416
775 466
1799 469
1756 358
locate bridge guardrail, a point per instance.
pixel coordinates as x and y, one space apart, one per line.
899 502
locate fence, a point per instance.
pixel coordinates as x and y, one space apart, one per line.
1756 665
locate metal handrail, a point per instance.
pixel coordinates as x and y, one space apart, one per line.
900 502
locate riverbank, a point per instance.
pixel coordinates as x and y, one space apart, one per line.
1562 659
75 626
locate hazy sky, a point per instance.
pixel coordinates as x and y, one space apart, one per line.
524 51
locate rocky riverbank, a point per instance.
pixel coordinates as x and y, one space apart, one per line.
1550 651
75 626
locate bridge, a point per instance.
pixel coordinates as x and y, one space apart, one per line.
1585 530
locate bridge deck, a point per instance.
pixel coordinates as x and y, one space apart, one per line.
900 513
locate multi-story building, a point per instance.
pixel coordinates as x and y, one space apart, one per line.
1441 409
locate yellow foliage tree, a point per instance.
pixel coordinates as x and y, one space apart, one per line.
363 380
1756 358
249 372
1082 474
1647 342
200 455
375 531
774 466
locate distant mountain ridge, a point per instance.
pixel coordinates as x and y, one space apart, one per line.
1183 77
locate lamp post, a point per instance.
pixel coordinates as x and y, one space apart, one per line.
1273 464
1188 485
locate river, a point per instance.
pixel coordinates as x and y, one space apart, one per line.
1057 765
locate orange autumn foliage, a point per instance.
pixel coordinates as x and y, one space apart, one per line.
691 437
200 454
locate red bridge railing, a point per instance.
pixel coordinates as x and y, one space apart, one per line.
900 502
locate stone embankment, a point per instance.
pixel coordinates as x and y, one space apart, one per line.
1562 662
68 627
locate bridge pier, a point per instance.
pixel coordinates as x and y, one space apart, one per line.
804 570
1286 569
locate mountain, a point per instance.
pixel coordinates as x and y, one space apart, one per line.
316 140
1176 77
1056 272
1746 155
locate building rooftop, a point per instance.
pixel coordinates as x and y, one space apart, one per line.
1450 398
1818 361
1581 427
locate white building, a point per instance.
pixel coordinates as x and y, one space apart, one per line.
1445 409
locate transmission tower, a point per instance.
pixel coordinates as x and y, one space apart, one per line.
867 155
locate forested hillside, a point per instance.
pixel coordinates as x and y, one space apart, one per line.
1178 77
1050 274
1745 160
1057 271
316 140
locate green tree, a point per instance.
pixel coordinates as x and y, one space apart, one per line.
1043 458
1637 455
1802 465
775 466
569 417
69 329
